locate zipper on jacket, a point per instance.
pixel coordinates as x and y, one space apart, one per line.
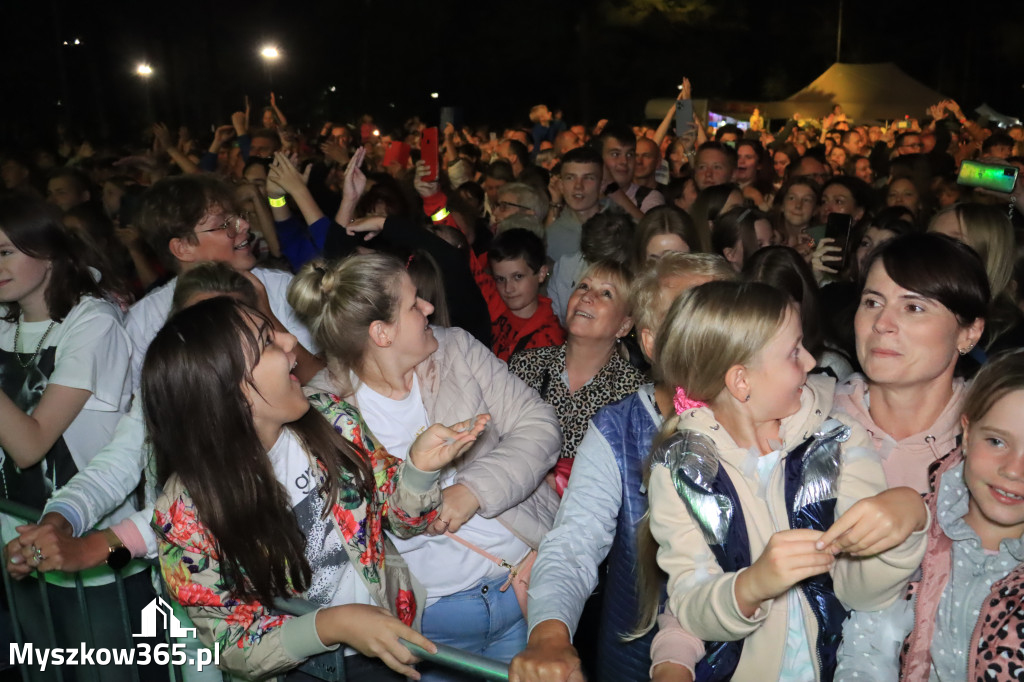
779 466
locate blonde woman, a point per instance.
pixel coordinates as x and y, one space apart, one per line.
587 372
404 374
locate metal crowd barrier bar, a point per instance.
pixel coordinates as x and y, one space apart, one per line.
450 657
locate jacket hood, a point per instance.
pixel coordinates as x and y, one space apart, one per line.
901 459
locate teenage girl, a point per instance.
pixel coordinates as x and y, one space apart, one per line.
263 499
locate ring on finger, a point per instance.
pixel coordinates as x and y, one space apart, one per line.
37 554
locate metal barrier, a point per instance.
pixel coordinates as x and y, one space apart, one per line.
449 657
328 667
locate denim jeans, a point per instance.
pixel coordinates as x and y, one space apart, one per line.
481 620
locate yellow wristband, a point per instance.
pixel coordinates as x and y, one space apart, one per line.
277 202
440 215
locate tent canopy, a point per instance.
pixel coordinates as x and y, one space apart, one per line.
865 91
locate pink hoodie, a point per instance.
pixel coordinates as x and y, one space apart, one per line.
906 461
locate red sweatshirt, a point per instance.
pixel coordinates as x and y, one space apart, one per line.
509 332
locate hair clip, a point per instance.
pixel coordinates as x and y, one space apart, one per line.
409 261
743 215
180 336
320 269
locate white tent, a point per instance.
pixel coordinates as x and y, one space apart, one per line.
865 91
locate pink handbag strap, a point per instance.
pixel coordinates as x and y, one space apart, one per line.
486 555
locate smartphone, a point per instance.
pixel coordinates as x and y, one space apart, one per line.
684 116
397 152
428 153
838 228
987 175
903 125
447 116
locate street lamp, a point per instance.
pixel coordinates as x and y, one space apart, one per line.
145 72
270 54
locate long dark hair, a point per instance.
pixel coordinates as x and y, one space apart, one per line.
201 429
785 269
35 229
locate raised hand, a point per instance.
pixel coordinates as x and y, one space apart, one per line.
355 179
335 152
438 445
162 137
826 252
424 188
686 90
285 175
555 189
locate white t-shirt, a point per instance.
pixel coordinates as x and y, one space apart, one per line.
148 315
334 580
442 565
89 350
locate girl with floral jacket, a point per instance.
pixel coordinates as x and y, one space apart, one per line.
264 500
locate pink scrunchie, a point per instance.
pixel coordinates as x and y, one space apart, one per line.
683 403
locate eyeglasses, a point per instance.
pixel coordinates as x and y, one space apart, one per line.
232 225
506 204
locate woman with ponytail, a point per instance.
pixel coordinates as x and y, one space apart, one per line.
383 356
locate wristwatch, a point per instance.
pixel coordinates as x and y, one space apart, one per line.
118 555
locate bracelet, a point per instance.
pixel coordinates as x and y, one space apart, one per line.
277 202
440 215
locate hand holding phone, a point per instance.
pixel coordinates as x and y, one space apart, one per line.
838 228
987 176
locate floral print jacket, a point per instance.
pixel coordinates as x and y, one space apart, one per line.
257 641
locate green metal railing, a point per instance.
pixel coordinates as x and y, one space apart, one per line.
449 657
328 667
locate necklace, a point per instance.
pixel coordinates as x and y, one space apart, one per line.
17 335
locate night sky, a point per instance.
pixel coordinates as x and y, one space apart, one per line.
494 60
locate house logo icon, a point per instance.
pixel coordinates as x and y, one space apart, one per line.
157 610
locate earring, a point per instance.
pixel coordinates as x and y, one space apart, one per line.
747 399
965 351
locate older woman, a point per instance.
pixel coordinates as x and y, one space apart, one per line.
586 372
922 307
404 374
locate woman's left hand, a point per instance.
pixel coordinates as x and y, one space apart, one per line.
876 524
440 444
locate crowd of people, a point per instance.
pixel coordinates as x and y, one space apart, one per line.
611 402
